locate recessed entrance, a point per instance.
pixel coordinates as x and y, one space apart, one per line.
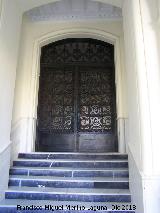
76 102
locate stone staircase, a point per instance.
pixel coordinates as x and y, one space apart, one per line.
68 182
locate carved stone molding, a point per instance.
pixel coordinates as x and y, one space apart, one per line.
74 10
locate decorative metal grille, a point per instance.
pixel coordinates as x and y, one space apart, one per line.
74 50
95 101
81 99
56 101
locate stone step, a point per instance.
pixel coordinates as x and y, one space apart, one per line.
10 206
69 194
81 156
77 179
35 181
72 163
70 172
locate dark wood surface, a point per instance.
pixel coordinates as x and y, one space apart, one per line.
77 103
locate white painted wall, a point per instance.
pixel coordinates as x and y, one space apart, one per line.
24 113
10 24
143 77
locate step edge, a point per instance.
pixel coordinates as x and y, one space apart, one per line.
69 193
76 153
68 160
67 180
70 169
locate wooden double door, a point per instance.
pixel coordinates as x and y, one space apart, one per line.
76 106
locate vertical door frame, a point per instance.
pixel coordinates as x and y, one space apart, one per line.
75 33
